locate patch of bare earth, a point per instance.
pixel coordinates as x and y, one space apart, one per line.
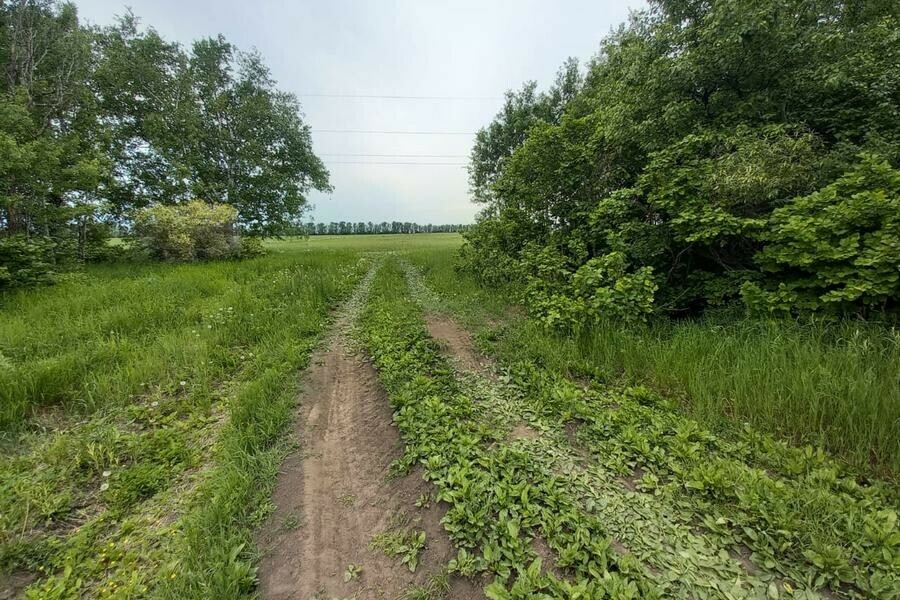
523 431
335 492
14 584
458 342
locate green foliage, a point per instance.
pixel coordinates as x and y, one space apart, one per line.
694 131
521 111
252 247
403 544
25 261
835 249
626 496
97 122
192 231
352 573
498 496
826 382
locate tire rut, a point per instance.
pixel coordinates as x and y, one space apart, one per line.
336 491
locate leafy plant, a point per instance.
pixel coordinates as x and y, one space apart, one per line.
352 573
403 544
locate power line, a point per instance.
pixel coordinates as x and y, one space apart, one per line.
393 132
432 164
391 97
398 155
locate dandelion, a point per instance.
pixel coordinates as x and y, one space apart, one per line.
104 486
107 473
182 383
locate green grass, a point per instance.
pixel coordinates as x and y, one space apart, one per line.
142 419
833 385
143 411
632 497
393 242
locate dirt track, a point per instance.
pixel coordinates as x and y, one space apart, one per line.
335 493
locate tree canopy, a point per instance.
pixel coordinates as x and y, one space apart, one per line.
96 122
712 152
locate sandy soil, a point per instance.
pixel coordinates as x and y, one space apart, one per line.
15 584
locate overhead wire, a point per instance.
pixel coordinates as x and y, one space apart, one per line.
392 132
394 97
395 132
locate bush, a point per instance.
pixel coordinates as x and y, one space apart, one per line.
25 261
707 156
836 250
251 247
187 232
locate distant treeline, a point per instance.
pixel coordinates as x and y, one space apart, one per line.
367 228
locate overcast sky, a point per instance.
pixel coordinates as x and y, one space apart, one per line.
471 49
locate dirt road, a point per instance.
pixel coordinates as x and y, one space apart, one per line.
336 492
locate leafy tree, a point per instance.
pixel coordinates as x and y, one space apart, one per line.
95 123
50 164
698 128
509 129
147 104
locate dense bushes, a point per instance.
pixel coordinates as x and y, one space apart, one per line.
837 247
30 260
714 152
192 231
25 261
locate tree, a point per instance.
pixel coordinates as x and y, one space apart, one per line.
50 164
696 124
249 146
509 129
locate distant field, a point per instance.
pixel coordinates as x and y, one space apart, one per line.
392 242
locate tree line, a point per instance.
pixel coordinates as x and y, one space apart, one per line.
368 228
713 152
96 122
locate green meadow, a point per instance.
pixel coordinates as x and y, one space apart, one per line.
144 410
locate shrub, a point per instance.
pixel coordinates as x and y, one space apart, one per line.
25 261
187 232
251 247
603 288
836 250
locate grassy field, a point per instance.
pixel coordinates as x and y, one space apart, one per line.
143 411
142 417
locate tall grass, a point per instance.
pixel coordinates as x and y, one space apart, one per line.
834 384
143 409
